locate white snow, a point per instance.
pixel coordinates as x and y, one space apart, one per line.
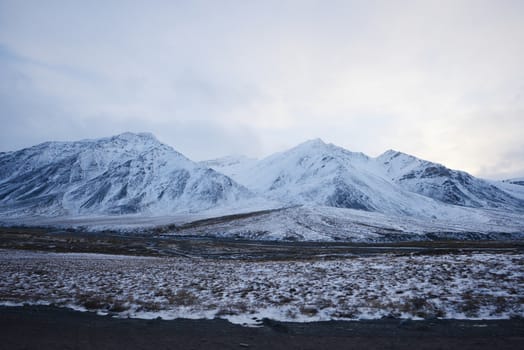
513 189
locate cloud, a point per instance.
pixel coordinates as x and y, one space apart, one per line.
438 79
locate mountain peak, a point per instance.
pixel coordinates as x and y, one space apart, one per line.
390 153
313 142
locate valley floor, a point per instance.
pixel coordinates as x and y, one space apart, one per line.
457 285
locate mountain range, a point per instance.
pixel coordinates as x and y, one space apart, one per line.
393 183
312 191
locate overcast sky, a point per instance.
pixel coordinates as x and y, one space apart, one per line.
443 80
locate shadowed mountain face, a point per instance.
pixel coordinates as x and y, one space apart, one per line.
128 173
449 186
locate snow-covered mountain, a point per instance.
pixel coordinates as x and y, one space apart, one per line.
314 191
316 173
127 173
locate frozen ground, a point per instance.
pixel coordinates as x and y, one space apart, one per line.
464 285
305 223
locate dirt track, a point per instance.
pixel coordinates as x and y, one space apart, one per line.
51 328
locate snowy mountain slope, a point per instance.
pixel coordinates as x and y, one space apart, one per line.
513 189
449 186
300 223
92 157
320 223
306 173
127 173
316 173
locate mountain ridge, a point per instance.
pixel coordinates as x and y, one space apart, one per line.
361 182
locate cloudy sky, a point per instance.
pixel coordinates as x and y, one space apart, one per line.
443 80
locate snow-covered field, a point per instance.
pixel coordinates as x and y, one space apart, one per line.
469 285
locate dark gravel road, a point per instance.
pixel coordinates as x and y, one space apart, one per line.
39 327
